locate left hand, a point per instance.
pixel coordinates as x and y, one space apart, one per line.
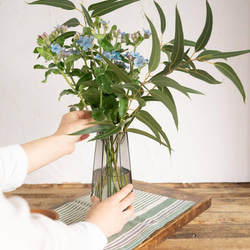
71 123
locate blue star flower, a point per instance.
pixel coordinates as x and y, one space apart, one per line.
139 61
85 42
115 55
56 48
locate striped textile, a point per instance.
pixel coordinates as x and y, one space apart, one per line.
151 213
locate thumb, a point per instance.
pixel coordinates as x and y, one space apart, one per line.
95 200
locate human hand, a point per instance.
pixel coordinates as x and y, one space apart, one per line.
73 122
111 214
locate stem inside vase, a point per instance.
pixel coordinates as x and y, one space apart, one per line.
111 166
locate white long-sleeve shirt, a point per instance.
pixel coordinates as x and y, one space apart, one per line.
21 230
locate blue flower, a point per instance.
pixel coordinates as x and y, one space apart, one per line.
147 32
115 55
56 48
107 54
85 42
139 61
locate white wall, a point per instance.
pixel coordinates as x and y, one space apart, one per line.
213 141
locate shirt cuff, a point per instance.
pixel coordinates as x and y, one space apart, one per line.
13 167
98 239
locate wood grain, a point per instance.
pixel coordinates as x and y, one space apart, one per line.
225 225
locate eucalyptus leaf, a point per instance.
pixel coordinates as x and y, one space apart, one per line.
87 16
123 106
64 4
108 132
94 129
162 17
178 48
106 7
228 71
206 33
73 22
156 49
215 54
141 132
203 75
162 81
160 96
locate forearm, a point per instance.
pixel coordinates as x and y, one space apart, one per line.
45 150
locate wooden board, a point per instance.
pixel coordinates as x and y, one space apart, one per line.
54 195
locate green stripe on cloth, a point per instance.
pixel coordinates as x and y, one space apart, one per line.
151 213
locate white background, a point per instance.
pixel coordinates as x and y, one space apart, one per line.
213 141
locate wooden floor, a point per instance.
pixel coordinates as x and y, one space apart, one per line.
225 225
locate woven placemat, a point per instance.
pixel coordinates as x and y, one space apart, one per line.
151 213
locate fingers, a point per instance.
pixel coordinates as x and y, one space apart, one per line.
127 201
95 200
123 192
128 212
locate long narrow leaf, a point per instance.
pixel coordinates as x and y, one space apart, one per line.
87 16
230 74
96 5
94 129
203 75
178 48
157 126
162 81
73 22
144 119
162 17
160 96
109 6
156 49
64 4
215 54
206 33
111 131
141 132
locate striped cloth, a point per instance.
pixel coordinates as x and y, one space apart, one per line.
151 213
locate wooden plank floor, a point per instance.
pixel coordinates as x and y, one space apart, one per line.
225 225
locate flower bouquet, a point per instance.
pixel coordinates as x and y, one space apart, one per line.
103 67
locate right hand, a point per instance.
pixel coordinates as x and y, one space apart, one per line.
111 214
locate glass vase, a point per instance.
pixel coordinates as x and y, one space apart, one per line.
111 168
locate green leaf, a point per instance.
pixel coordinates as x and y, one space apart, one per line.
45 52
120 74
161 81
106 7
215 54
105 44
193 91
144 119
94 129
203 75
186 42
38 66
100 4
136 90
141 132
73 22
178 48
206 33
98 114
230 74
156 49
64 4
60 39
47 73
87 16
110 131
151 122
123 106
162 17
67 92
160 96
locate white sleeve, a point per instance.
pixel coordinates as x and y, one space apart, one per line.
13 167
24 231
19 229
